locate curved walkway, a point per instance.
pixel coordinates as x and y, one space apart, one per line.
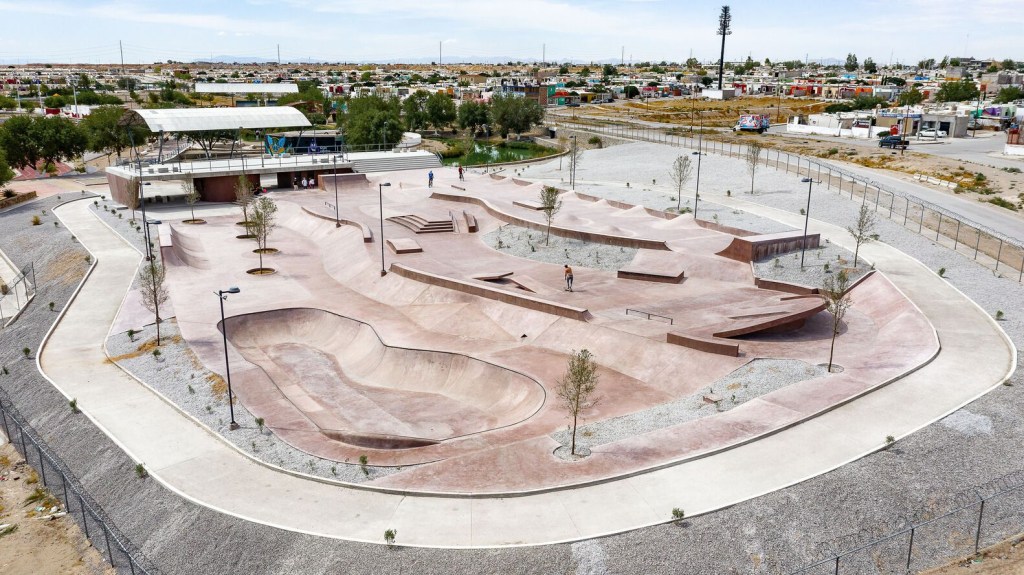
196 464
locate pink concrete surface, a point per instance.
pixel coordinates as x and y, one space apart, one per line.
323 267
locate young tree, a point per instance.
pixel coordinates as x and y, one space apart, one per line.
188 186
753 158
414 109
550 204
837 301
680 172
576 388
851 62
863 231
563 146
911 98
472 115
135 194
152 290
243 197
264 220
575 158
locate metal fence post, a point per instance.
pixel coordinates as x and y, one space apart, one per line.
85 519
938 228
892 202
910 548
977 533
1021 276
42 465
999 253
956 237
920 224
977 244
906 214
107 539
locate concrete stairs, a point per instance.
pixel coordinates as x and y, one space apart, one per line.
421 225
396 161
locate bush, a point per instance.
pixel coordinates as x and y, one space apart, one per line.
389 536
8 193
1000 315
596 141
833 151
73 404
942 272
36 221
140 471
1003 203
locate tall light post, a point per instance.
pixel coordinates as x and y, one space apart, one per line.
700 145
807 218
724 20
337 218
221 296
572 168
380 199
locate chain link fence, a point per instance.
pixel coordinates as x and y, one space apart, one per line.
115 548
988 247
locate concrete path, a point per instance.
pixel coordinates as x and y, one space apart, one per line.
198 465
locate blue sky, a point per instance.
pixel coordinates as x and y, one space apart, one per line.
362 30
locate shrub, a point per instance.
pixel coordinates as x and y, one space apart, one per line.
259 423
942 272
833 151
36 221
389 536
999 315
678 514
26 351
156 354
596 141
131 334
74 405
140 471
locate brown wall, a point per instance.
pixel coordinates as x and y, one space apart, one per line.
222 188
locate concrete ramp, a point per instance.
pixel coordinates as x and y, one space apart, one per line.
188 248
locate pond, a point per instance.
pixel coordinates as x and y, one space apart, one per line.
499 153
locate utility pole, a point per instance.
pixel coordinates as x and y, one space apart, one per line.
544 53
278 54
439 44
622 58
121 48
724 20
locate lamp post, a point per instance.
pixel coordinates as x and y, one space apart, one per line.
807 217
572 168
337 218
380 200
700 144
222 295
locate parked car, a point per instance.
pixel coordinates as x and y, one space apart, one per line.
932 133
894 142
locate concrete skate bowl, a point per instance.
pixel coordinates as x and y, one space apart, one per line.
356 389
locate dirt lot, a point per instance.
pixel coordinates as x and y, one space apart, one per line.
1003 559
33 540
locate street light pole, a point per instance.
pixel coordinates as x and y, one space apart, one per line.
807 218
380 199
149 247
700 144
572 168
222 295
337 218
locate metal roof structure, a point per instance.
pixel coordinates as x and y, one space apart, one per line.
245 88
203 119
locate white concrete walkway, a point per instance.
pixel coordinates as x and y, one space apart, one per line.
198 465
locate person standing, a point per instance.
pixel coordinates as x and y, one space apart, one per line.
430 179
304 182
461 178
568 278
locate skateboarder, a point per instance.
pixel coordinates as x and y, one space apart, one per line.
430 179
568 278
461 178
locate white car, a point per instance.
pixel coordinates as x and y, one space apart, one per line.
932 133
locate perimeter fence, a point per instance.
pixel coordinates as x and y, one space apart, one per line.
997 251
115 548
15 295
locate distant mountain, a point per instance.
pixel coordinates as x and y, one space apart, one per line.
453 59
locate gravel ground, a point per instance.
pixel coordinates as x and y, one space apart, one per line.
527 243
180 377
120 220
776 533
786 267
757 378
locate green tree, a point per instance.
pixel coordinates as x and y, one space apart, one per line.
585 72
960 91
414 110
17 142
152 290
6 173
576 388
472 115
608 70
105 130
692 64
707 81
563 70
1009 94
440 110
870 67
55 101
1008 64
631 91
264 221
512 114
372 120
837 302
862 231
911 98
58 139
851 62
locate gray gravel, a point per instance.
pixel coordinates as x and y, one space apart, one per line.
756 378
179 376
786 267
527 243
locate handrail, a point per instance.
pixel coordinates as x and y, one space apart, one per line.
650 315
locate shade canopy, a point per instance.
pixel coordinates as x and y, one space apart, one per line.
246 88
204 119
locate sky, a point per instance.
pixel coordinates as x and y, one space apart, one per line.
83 31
